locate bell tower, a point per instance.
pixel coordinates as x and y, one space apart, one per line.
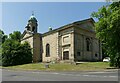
32 24
34 38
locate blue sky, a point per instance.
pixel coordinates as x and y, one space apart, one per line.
55 14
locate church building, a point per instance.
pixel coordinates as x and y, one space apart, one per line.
73 42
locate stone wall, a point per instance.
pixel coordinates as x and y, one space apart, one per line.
81 52
37 56
57 46
35 43
52 40
29 38
67 42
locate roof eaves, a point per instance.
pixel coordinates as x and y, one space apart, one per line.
58 29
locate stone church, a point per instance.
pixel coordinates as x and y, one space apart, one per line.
73 42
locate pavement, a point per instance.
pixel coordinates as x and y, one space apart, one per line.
13 75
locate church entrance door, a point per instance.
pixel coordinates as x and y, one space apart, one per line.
66 55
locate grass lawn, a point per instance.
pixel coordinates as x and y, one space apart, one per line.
87 66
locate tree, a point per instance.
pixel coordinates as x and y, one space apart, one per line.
108 30
16 35
26 53
15 53
9 52
3 37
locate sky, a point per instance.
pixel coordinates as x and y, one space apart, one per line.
15 15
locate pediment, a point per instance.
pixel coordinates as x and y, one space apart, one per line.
86 24
26 34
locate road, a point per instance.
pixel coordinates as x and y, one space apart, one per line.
12 75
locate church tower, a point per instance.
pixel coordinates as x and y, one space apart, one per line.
32 24
34 38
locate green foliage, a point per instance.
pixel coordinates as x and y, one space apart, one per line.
15 53
9 52
16 35
108 30
3 37
26 52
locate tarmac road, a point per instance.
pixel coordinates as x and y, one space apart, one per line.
12 75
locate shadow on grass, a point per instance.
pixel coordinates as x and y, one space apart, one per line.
112 68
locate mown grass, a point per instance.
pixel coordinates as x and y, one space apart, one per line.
88 66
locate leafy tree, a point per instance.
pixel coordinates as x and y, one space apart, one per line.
108 30
3 37
8 52
16 35
26 53
15 53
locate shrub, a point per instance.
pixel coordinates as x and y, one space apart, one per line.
15 53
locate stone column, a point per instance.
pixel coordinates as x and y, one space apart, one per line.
72 47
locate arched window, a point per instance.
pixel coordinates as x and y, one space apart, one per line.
47 50
33 28
88 44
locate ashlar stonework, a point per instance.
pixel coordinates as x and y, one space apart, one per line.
73 42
